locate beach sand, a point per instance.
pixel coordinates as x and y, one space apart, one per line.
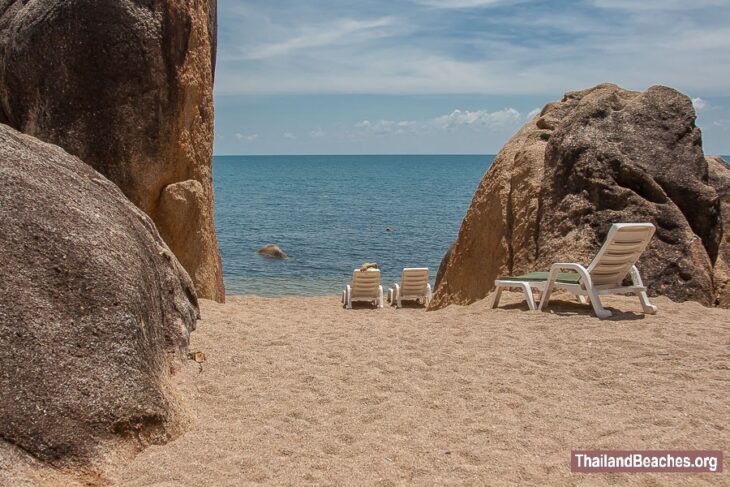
300 390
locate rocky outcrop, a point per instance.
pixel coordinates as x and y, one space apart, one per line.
273 251
597 157
127 87
94 311
719 178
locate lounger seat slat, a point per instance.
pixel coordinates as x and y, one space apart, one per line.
412 290
611 265
622 269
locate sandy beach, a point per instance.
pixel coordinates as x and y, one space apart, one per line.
186 187
300 391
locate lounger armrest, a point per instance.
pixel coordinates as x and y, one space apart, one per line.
585 277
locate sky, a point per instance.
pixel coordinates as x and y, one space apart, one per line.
450 76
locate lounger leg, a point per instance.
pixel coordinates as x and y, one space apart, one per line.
380 297
601 312
528 296
545 295
348 298
648 308
537 295
582 299
497 295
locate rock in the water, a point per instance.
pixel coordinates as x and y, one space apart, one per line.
127 87
94 310
597 157
272 250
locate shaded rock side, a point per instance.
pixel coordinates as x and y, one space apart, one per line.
126 87
719 178
483 248
94 311
597 157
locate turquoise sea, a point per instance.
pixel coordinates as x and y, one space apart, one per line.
332 213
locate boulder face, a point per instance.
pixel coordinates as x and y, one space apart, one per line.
94 311
719 173
599 156
126 87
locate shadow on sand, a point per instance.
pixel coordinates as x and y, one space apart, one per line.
571 308
405 305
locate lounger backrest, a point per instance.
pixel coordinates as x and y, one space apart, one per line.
413 281
365 283
624 244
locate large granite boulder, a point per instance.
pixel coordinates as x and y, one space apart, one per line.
94 311
597 157
127 87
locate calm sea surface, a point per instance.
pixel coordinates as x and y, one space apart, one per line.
330 214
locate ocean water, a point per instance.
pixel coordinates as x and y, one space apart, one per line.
330 214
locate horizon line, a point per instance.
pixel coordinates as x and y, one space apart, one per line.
362 154
400 154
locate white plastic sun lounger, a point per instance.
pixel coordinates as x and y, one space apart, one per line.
365 286
413 285
605 275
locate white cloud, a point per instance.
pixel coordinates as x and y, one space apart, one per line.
246 137
289 135
699 104
457 118
317 133
321 35
479 117
533 113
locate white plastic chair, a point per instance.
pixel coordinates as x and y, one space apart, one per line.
615 261
413 285
365 286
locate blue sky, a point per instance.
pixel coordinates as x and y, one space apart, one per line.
459 76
